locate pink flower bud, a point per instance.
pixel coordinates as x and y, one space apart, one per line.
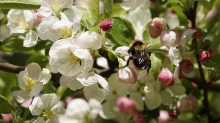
204 56
37 19
138 117
153 1
169 38
106 25
181 76
6 118
166 77
164 117
156 27
198 33
125 105
174 113
187 104
186 66
127 75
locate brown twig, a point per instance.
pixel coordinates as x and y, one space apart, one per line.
4 66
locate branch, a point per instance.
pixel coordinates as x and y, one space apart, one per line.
4 66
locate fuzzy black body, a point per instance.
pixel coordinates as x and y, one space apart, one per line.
139 55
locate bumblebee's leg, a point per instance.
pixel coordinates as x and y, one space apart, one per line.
130 58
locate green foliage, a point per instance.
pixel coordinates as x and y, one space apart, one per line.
95 10
5 106
108 4
155 66
122 31
19 4
172 3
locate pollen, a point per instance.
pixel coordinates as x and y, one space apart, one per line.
73 59
47 113
55 5
65 32
23 24
29 84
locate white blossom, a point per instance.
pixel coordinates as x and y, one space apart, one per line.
80 111
31 82
47 107
133 4
22 21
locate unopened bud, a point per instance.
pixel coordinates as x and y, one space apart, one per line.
6 118
166 77
198 33
138 117
187 104
169 38
204 56
106 25
186 66
156 27
174 113
37 19
125 105
127 75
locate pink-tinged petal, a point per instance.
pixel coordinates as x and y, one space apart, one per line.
21 96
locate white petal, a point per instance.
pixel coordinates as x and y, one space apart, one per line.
121 91
44 11
95 107
93 91
137 98
29 17
108 111
129 5
186 36
44 76
36 89
36 106
176 75
145 6
166 98
21 96
39 120
30 39
74 85
190 74
177 90
65 80
50 100
87 79
34 70
122 50
174 56
82 53
77 108
73 12
59 110
86 65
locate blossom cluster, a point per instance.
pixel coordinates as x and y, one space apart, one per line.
127 91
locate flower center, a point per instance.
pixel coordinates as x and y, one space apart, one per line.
65 32
47 113
23 24
56 5
29 84
73 59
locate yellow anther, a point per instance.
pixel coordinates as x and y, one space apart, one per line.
73 59
47 113
65 32
56 5
29 84
23 24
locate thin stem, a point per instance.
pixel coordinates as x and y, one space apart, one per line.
26 113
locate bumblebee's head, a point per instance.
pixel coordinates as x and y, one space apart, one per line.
137 45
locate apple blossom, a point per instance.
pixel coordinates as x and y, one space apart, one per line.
53 7
173 113
127 75
22 21
80 111
31 81
204 56
166 77
138 117
125 105
94 86
47 107
187 68
88 40
169 38
69 59
164 117
156 27
106 25
198 33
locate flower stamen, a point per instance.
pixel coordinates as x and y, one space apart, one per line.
47 113
30 83
65 32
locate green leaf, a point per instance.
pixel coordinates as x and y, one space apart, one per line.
214 61
146 34
205 3
15 44
87 19
19 4
117 10
170 4
41 45
5 106
215 42
108 8
40 59
122 31
155 65
95 10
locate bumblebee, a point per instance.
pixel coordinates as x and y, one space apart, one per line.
139 55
